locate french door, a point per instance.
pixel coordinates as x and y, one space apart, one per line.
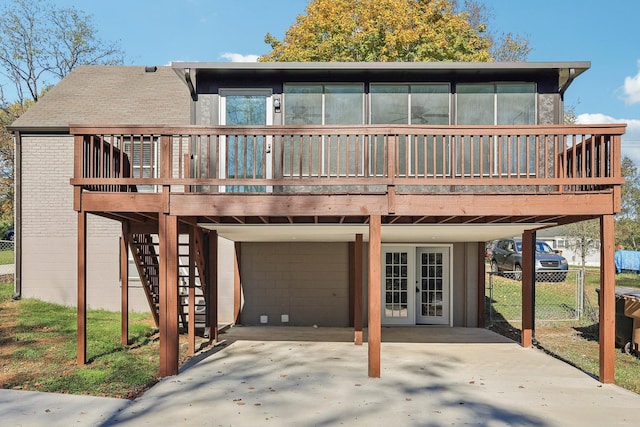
416 284
243 156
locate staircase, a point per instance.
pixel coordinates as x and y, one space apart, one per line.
145 250
145 254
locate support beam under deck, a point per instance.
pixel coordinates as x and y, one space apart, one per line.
124 282
169 338
237 283
481 284
375 331
528 287
82 288
357 290
212 282
607 300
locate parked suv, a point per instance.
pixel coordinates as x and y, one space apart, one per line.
506 255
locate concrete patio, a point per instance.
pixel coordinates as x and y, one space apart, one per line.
317 377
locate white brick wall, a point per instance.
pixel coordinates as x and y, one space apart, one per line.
49 233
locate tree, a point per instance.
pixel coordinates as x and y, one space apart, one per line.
39 45
393 30
583 238
8 114
627 224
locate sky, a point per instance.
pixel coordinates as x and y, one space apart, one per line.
157 32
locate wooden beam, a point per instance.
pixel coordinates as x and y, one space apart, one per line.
122 202
528 287
124 284
191 327
391 199
607 300
212 270
237 283
374 324
169 336
352 282
500 207
503 204
357 309
82 289
481 284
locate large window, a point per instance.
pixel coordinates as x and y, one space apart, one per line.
323 104
417 104
495 104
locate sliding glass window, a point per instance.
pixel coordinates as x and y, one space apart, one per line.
415 104
495 104
323 104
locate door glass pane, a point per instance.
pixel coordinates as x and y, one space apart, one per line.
396 285
245 154
431 288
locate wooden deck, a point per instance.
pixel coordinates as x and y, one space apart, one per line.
169 181
287 174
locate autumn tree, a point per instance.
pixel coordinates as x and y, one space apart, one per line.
393 30
39 45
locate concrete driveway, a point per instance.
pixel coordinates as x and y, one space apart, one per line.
316 377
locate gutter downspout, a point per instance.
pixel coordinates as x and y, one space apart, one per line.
185 76
17 207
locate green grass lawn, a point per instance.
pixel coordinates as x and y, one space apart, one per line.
574 341
39 350
6 256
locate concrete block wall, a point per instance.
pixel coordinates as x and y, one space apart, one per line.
309 282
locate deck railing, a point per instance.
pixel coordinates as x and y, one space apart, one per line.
283 159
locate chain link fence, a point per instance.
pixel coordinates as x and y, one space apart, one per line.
7 261
559 296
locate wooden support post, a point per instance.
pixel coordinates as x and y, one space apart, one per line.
82 288
192 290
169 338
607 300
481 284
375 332
237 283
212 268
357 307
528 287
124 284
352 284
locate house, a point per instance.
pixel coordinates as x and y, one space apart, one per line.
271 193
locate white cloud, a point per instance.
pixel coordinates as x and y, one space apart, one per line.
631 138
237 57
631 88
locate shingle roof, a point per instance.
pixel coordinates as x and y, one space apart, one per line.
111 95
